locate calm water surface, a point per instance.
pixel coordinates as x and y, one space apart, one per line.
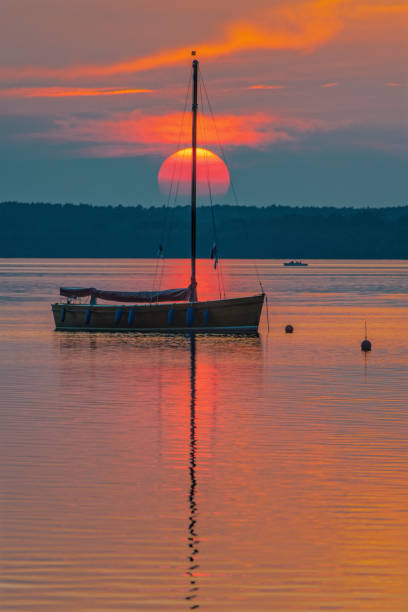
161 473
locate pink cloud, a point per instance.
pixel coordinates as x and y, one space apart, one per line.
136 133
266 87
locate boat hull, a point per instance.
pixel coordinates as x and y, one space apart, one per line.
236 315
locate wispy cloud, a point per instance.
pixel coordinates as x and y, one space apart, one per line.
64 92
390 8
328 85
266 87
302 25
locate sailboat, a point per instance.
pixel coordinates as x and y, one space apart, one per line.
169 310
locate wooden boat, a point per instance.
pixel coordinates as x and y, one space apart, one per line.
171 310
233 315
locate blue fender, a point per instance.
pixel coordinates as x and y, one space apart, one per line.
131 316
170 316
190 316
118 314
206 316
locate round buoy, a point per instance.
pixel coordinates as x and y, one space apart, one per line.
366 345
289 329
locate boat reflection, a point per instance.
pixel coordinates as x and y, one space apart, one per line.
192 538
158 405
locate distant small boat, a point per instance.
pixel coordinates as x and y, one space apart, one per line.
295 263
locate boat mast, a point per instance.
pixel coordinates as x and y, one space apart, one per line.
194 184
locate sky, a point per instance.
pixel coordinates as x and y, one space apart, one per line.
309 98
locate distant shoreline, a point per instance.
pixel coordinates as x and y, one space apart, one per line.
242 232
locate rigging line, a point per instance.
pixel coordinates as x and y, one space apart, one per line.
219 267
224 156
214 234
180 164
267 312
221 288
165 227
169 210
214 228
179 140
208 179
220 275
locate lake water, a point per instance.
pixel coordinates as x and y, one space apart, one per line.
164 473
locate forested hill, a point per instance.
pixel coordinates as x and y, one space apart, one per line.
55 230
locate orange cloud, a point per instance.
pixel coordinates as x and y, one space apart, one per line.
310 25
59 92
299 26
381 9
266 87
136 133
328 85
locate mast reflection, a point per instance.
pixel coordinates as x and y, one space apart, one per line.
193 540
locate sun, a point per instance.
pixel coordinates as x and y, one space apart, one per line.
212 173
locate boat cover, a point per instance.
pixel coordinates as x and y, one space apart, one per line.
168 295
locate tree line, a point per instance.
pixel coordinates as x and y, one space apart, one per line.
67 230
